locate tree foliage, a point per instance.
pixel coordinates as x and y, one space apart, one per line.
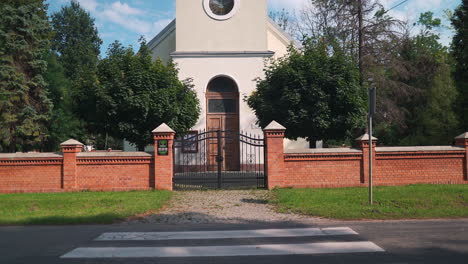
411 72
339 20
24 106
418 93
76 39
63 123
284 19
77 44
460 54
315 93
136 94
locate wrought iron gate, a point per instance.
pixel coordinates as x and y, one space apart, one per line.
219 160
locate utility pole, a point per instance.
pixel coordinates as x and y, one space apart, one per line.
372 107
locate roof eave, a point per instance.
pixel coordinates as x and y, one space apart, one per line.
162 35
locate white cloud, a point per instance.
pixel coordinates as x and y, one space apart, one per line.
125 9
286 4
424 4
412 9
133 19
89 5
127 17
157 27
128 22
161 24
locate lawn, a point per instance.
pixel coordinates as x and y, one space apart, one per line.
77 208
402 202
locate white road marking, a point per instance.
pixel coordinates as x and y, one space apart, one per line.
259 233
225 251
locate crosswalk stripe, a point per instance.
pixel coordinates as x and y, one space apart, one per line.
225 251
230 234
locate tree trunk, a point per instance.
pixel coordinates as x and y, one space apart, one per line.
361 42
12 146
313 144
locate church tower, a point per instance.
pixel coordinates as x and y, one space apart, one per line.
221 25
222 45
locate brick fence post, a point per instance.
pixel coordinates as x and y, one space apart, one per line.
462 140
70 150
363 144
163 164
274 154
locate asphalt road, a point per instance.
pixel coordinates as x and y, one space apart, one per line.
431 241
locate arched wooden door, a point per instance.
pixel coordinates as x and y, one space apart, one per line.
222 113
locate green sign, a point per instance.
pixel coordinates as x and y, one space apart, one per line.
163 147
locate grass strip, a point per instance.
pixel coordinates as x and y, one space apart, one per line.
390 202
77 207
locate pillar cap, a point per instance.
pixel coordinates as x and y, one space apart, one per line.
163 128
71 142
463 136
274 126
365 137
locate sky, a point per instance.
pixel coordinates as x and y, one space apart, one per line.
127 20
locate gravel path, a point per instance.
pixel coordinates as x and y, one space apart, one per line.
232 207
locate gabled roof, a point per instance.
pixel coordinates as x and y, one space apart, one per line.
172 26
162 35
283 34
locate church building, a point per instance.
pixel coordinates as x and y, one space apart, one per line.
223 46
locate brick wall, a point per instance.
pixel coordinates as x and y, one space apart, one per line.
422 166
128 171
23 173
340 169
105 172
348 167
73 170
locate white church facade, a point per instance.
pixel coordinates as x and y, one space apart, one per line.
223 46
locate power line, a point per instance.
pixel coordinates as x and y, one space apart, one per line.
404 1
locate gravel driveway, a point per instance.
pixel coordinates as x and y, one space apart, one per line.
233 207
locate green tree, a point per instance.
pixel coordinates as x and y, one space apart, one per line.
24 105
135 95
76 39
63 123
361 27
423 90
77 42
460 54
315 93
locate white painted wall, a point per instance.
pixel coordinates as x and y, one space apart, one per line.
245 31
248 30
244 70
277 42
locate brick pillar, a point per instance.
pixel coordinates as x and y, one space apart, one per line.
70 150
462 140
274 154
363 144
163 164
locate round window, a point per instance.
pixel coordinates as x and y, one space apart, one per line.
221 9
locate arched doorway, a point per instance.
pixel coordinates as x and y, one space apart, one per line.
222 113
